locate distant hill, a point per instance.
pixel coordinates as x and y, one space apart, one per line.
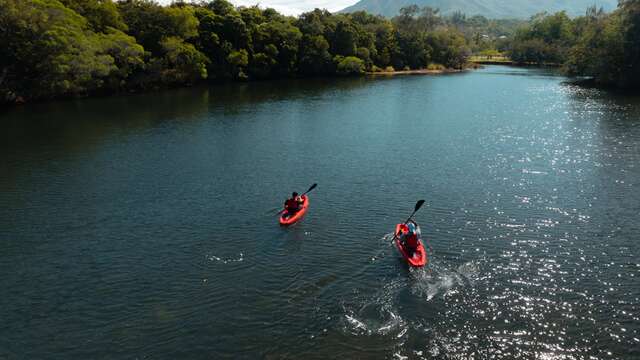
493 9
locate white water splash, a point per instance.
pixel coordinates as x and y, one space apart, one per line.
225 261
435 281
393 323
357 324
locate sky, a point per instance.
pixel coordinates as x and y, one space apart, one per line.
292 7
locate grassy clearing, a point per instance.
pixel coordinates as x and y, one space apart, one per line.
490 59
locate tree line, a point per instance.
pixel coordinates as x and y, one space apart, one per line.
62 48
603 46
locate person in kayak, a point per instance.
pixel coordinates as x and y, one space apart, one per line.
293 205
411 238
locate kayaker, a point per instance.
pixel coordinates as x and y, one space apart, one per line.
411 238
293 205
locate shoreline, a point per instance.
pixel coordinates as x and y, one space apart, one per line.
419 72
514 63
20 102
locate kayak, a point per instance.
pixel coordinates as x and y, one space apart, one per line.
286 219
419 257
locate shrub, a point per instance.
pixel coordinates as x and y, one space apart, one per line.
350 65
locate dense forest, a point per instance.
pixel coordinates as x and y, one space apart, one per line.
604 46
64 48
58 48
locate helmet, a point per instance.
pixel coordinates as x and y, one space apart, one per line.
411 227
294 195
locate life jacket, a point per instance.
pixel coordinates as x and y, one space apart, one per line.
412 240
292 205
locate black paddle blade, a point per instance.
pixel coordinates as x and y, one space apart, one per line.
419 205
312 187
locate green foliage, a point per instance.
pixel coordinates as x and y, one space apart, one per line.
101 14
75 47
436 67
489 53
128 57
449 49
534 51
349 65
546 40
630 25
414 50
315 57
55 48
48 50
183 64
150 23
238 60
598 45
343 39
281 40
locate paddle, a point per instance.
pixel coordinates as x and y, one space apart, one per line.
310 189
305 193
418 206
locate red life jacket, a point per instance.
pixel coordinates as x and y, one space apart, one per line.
292 205
412 241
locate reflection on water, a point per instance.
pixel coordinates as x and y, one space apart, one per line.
145 226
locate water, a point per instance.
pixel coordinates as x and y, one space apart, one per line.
144 226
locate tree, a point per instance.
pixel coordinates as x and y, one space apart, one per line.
51 48
385 43
449 49
344 38
315 58
546 40
630 13
414 50
313 23
150 23
183 64
47 50
349 65
239 61
127 54
281 40
101 14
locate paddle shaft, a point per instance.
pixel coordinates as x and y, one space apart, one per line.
418 206
308 191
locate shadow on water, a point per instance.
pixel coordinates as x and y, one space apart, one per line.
54 131
75 124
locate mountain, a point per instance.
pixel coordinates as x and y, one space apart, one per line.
493 9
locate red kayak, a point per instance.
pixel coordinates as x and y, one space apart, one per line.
419 258
287 219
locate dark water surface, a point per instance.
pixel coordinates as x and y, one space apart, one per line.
144 226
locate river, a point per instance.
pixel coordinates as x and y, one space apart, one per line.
144 226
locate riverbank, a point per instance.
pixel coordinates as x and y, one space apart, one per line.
20 101
503 60
491 60
417 72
